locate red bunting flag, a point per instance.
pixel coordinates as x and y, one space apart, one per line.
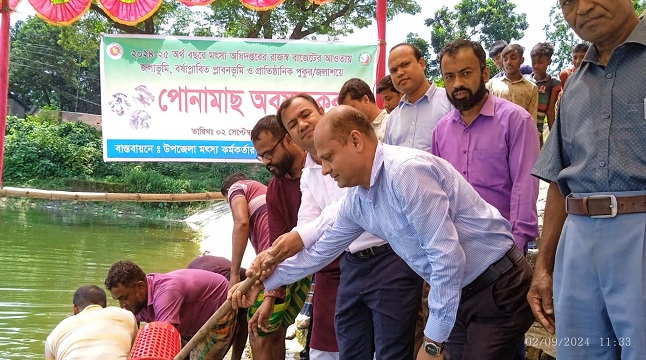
130 12
60 12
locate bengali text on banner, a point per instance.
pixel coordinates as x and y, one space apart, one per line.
197 99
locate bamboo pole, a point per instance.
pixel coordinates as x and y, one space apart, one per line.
96 196
210 323
4 74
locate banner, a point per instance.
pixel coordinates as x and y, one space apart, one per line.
197 99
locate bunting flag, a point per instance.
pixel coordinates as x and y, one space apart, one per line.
127 12
13 4
60 12
261 5
130 12
196 2
264 5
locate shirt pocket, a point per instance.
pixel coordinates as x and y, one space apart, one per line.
490 168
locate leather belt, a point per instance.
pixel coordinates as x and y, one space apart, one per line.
371 252
605 206
493 272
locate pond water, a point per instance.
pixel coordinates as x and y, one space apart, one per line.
46 255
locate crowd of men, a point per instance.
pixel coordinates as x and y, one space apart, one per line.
415 220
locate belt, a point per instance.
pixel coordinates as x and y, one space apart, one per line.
493 272
371 252
605 206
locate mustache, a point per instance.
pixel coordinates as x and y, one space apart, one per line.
461 88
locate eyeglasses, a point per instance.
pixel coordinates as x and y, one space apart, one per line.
270 154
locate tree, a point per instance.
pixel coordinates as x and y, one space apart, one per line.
423 46
559 33
298 19
46 74
640 6
293 19
480 20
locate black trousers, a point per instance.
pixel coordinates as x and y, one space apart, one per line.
492 322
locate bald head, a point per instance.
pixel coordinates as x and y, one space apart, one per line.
345 142
341 120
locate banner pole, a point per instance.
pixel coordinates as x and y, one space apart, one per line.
381 33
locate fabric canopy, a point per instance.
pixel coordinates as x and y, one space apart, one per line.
264 5
127 12
196 2
130 12
13 4
261 5
60 12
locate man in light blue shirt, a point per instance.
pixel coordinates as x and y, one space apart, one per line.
436 222
412 122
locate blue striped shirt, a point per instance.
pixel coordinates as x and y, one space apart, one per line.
432 218
412 125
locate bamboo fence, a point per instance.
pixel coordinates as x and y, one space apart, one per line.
97 196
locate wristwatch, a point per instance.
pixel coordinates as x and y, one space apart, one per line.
432 348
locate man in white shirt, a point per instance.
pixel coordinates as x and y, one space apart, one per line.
94 332
356 93
378 296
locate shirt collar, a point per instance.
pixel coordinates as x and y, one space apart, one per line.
426 97
637 36
310 163
380 118
377 163
488 109
531 77
522 79
150 278
92 307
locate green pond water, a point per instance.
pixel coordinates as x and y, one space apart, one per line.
46 255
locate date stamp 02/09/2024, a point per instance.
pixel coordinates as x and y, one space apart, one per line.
577 341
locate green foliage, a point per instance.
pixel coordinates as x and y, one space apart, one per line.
298 19
41 150
480 20
42 147
47 72
558 33
640 6
424 47
493 69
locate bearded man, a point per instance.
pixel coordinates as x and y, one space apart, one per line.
492 142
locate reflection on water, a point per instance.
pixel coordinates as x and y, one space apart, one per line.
46 256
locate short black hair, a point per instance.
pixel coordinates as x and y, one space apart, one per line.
386 84
356 89
125 273
89 295
230 180
454 46
268 124
416 52
285 104
583 47
513 47
542 49
497 48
